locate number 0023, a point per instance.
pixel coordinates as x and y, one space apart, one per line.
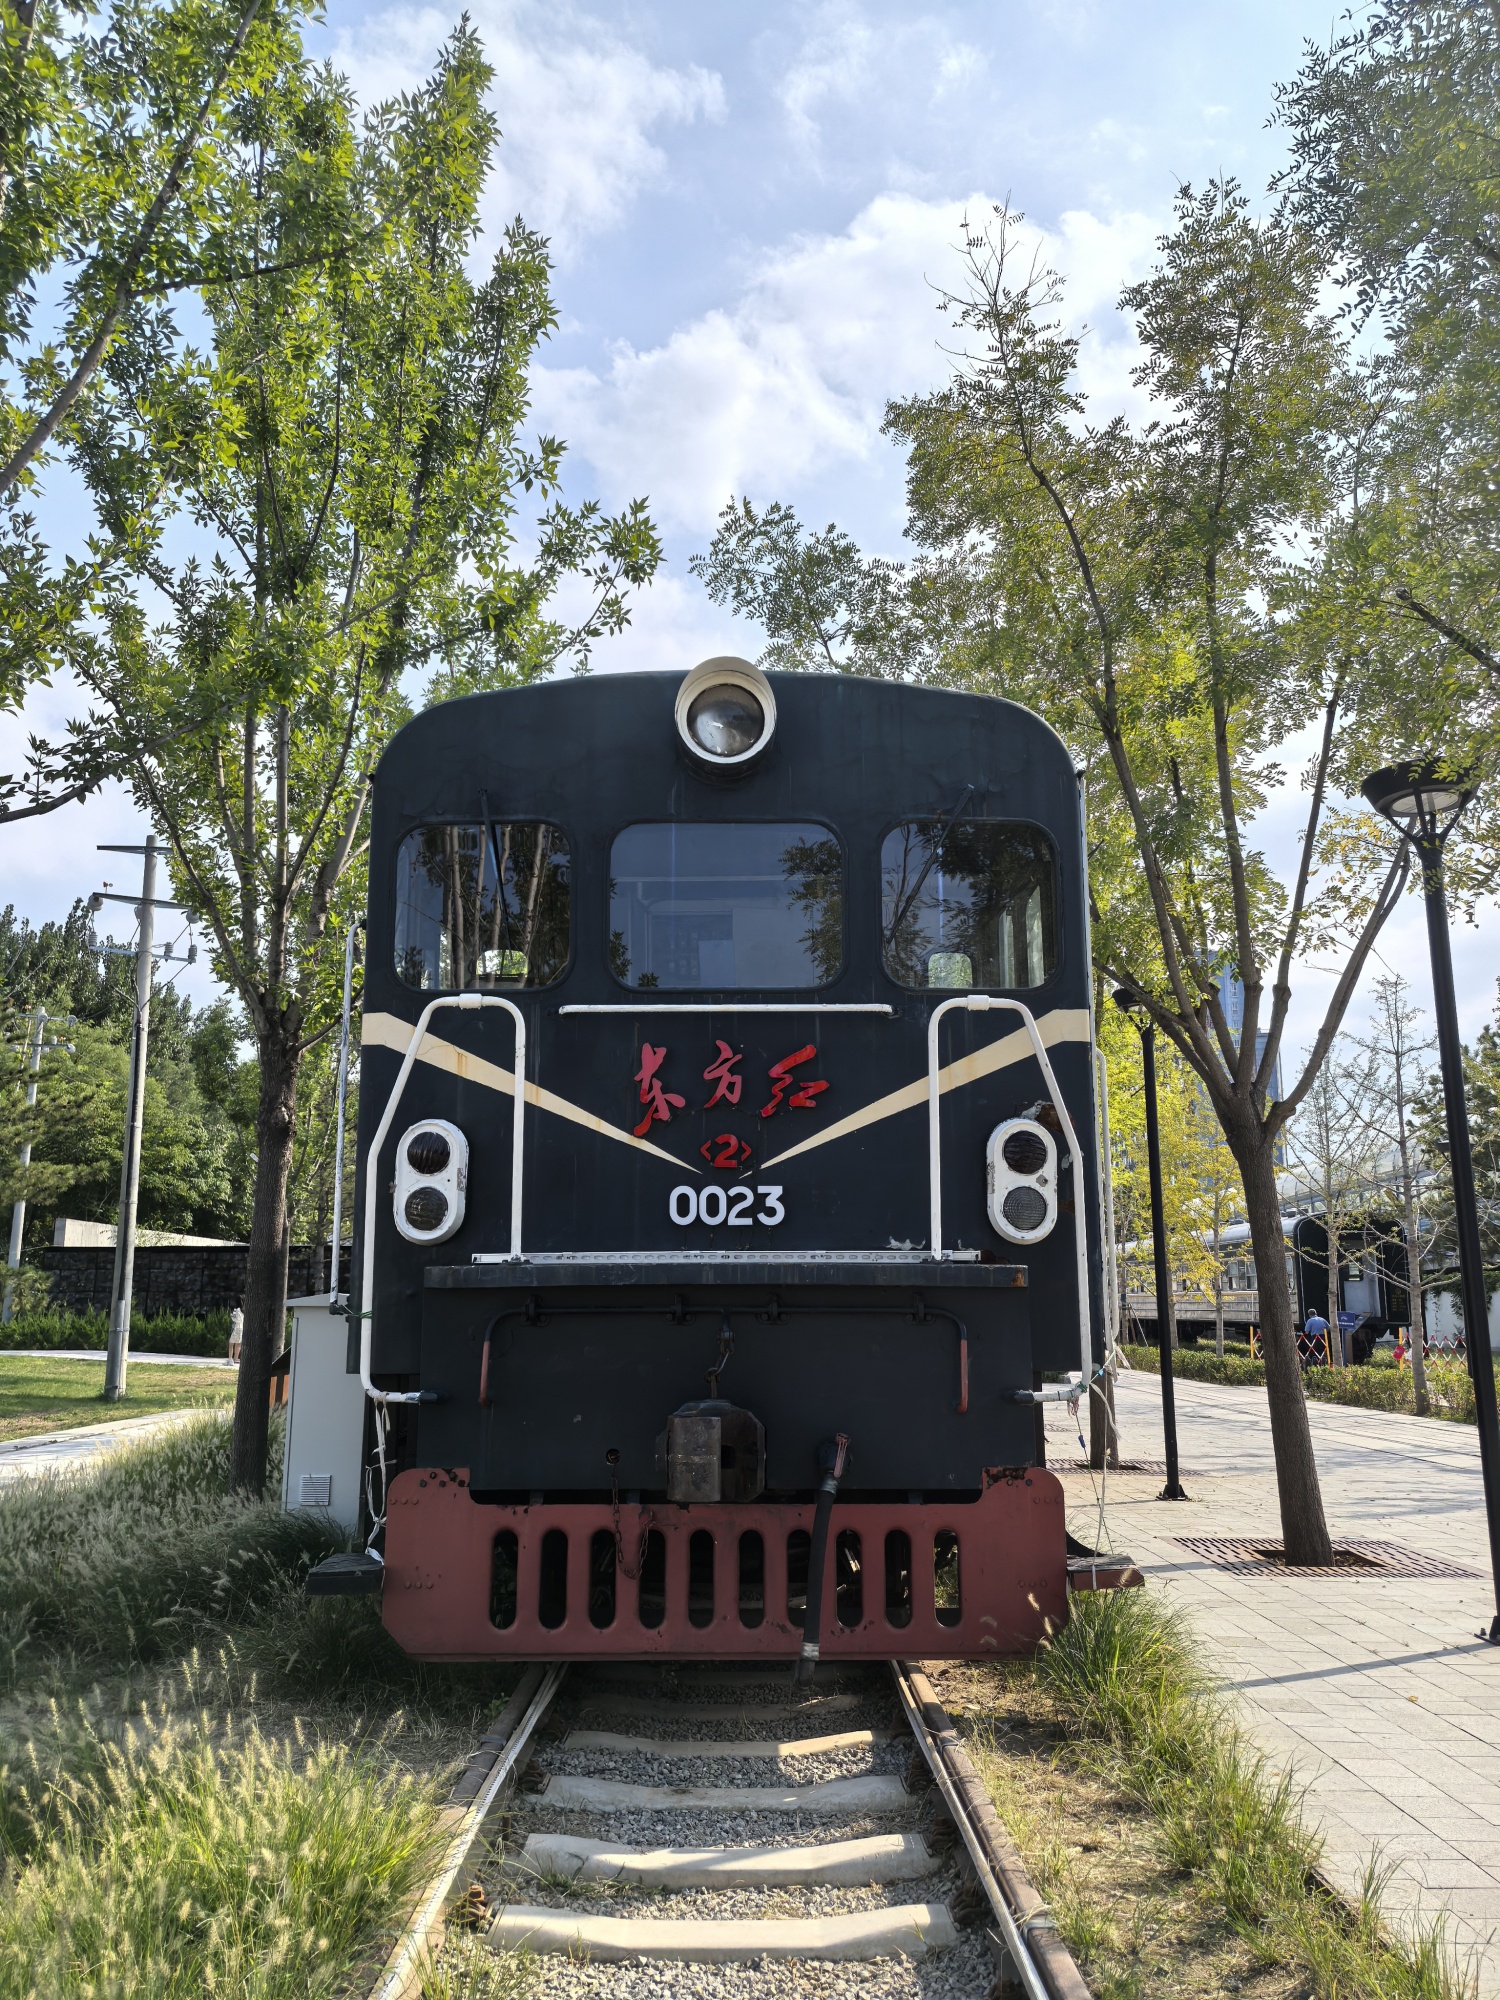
735 1206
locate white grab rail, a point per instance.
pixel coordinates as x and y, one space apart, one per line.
983 1003
372 1170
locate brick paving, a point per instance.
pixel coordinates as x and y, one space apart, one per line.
1375 1690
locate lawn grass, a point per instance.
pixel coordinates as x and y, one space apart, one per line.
46 1395
1174 1862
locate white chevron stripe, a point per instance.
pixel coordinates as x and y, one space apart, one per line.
1063 1024
389 1031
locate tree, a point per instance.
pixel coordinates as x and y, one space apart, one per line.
1395 131
121 187
1401 1078
1138 587
194 1153
358 525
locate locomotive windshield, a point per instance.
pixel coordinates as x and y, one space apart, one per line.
477 908
703 905
970 905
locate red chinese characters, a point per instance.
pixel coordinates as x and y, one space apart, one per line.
725 1150
803 1089
720 1073
659 1102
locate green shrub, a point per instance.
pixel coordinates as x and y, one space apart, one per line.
167 1333
126 1560
194 1857
1369 1386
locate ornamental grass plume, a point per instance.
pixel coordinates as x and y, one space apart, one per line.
194 1855
126 1560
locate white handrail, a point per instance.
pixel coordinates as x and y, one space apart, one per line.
372 1170
738 1007
983 1003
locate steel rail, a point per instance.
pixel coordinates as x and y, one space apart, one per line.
1040 1962
407 1965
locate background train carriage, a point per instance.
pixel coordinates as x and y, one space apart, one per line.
724 909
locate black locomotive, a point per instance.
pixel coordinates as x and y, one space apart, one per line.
728 1168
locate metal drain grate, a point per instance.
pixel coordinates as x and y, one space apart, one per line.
1261 1556
1156 1466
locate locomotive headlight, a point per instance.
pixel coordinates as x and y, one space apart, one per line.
725 713
432 1172
1022 1175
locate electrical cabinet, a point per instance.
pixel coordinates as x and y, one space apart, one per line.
325 1423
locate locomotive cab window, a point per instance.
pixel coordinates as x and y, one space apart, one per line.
709 905
973 906
477 908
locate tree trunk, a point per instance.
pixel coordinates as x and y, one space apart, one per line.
1304 1532
265 1281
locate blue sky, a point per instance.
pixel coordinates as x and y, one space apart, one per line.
749 208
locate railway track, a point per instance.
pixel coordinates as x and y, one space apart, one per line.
713 1832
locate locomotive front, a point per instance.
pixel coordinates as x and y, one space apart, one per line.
727 1168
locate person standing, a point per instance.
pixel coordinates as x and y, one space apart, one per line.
236 1332
1316 1330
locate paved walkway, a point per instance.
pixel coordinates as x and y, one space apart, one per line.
1375 1690
61 1451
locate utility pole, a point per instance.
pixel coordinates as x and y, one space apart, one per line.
117 1361
18 1211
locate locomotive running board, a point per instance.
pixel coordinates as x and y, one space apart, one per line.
472 1580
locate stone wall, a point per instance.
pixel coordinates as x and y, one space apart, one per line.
177 1280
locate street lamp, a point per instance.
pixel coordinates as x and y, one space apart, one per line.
1423 801
1130 1002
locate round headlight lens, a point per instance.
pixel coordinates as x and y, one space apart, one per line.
427 1208
1025 1153
726 721
1024 1209
428 1152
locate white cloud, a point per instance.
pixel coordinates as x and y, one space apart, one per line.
577 105
850 64
790 380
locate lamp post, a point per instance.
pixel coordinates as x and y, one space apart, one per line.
1130 1002
1423 802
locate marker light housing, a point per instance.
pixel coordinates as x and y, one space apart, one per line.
1021 1171
432 1175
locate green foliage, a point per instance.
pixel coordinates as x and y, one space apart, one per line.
167 1333
126 134
1482 1101
128 1561
1201 1185
1367 1387
1128 1683
1396 166
193 1854
198 1155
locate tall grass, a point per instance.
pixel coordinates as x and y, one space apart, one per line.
1126 1681
194 1856
129 1560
